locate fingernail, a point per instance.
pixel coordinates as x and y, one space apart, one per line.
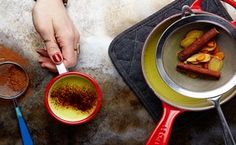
57 58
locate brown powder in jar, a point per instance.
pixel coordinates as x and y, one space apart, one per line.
12 78
17 79
74 97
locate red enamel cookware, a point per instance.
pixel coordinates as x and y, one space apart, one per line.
172 108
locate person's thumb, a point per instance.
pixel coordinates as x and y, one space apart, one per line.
54 51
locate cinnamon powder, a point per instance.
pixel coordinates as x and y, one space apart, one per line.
12 78
8 54
72 96
17 79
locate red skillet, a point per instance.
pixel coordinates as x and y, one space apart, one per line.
161 134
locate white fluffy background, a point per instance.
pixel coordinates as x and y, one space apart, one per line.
99 21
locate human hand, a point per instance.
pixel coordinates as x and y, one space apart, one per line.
58 32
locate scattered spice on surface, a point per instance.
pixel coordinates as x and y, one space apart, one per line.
73 96
8 54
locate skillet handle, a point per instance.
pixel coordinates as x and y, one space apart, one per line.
161 134
197 4
233 4
234 23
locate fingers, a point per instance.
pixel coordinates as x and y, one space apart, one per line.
47 33
46 62
67 47
68 44
58 32
42 51
67 40
60 38
53 51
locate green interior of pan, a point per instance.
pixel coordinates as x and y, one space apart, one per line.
160 88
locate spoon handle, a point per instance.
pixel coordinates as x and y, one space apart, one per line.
228 137
61 68
26 138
